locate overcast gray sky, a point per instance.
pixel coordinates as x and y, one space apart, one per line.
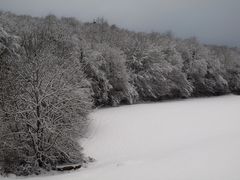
211 21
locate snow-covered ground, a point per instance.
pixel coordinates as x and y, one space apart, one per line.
197 139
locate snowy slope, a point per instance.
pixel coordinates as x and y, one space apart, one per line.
195 139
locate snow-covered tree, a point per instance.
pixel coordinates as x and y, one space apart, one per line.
46 113
161 74
203 69
106 68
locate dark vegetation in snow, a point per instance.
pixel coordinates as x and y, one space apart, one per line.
54 71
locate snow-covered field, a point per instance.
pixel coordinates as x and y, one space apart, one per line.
196 139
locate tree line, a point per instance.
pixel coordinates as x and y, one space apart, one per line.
54 71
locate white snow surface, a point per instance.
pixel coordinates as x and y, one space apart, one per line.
196 139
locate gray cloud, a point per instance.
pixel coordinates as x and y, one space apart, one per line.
212 21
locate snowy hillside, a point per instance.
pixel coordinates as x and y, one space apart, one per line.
196 139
